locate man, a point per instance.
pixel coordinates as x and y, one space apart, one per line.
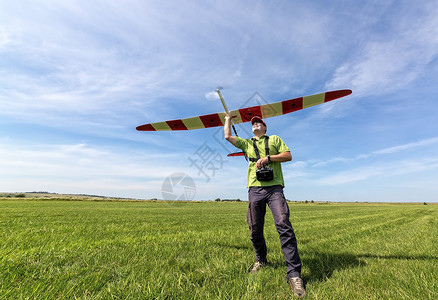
270 192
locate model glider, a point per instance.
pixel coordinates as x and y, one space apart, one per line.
245 114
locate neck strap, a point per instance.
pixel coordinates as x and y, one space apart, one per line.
256 150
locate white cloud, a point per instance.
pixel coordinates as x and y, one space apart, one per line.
65 168
365 156
391 59
4 37
409 146
110 171
379 171
80 60
212 96
372 167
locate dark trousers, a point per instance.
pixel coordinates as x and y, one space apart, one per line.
274 197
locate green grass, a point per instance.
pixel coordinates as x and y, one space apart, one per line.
172 250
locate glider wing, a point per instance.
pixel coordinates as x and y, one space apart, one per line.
245 114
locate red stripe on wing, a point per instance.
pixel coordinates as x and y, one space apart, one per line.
292 105
176 125
146 127
212 120
247 113
329 96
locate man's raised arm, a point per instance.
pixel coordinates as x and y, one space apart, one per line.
227 130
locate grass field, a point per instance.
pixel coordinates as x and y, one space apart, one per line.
174 250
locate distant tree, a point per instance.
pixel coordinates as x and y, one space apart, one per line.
217 199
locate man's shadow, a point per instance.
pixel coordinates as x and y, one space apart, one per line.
320 266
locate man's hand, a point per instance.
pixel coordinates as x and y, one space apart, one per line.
262 161
228 118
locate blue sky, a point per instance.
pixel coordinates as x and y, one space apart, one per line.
77 77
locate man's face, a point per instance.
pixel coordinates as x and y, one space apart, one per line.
258 127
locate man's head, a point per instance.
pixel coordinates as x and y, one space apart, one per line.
258 125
